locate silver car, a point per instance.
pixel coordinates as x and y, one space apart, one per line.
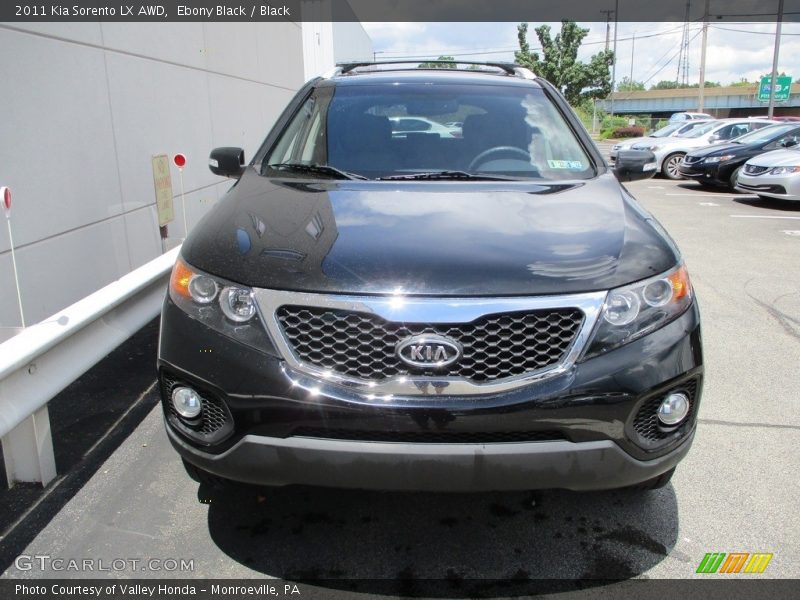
669 152
671 130
774 174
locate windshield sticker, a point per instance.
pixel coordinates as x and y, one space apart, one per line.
566 164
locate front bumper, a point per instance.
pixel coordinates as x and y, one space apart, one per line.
576 430
430 467
784 188
715 173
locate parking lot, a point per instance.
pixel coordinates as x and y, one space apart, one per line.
736 492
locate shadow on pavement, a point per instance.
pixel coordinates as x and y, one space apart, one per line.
89 422
442 545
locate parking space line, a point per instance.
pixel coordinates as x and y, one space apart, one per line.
699 195
762 217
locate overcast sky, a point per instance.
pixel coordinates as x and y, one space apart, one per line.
731 55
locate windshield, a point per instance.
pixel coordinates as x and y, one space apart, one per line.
766 134
457 130
702 130
665 131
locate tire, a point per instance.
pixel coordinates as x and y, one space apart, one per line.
656 483
734 177
206 478
669 168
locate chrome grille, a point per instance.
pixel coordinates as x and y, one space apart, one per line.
755 170
495 346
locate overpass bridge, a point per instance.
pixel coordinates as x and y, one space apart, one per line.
728 101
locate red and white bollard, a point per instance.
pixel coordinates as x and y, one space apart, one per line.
5 195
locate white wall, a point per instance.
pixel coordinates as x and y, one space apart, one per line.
84 108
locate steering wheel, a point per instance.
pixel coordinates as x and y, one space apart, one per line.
481 158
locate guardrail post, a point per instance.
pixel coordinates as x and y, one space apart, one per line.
28 450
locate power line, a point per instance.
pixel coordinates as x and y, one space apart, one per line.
772 33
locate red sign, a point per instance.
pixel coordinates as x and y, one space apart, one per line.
179 160
6 193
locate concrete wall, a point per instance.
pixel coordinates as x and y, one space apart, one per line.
84 108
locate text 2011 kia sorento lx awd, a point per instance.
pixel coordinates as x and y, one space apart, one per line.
430 279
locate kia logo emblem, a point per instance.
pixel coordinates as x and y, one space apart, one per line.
427 350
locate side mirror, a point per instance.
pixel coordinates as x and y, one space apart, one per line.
791 142
633 165
713 138
227 161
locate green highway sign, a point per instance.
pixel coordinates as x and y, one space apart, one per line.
783 86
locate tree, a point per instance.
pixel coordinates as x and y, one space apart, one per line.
559 62
629 85
443 62
665 84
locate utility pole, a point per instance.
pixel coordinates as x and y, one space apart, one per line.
702 90
614 64
771 108
633 45
607 13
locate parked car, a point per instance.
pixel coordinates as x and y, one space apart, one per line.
402 126
670 151
488 313
672 130
688 116
787 118
774 174
721 163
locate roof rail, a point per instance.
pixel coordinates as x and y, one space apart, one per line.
507 68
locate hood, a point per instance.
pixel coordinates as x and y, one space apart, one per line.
722 149
777 158
429 238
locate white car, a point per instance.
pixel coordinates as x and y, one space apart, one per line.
670 151
671 130
688 116
401 126
773 174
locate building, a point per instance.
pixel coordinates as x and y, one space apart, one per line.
87 106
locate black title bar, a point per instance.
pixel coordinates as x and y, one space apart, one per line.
395 10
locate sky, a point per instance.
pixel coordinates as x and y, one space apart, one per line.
734 50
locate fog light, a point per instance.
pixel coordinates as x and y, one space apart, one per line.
187 402
673 409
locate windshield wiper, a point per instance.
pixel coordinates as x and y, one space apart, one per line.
447 175
312 168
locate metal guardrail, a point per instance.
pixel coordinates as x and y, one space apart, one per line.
45 358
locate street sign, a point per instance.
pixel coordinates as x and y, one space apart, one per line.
163 185
783 85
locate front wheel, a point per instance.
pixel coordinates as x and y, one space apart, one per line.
734 177
670 166
656 483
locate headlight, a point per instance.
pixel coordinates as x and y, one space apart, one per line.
716 159
635 310
651 147
225 307
785 170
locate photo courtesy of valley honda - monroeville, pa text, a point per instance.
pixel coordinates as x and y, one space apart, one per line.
473 303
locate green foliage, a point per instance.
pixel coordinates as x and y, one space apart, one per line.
611 126
443 62
665 85
628 85
559 63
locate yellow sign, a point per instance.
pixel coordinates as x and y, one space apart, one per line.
163 183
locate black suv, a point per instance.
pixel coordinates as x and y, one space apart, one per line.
477 305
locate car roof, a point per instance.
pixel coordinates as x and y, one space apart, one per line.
384 76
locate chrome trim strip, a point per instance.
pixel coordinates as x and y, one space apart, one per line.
411 309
